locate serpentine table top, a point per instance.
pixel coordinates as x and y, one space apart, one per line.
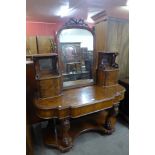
79 102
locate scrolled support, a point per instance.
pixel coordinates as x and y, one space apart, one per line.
109 125
66 139
115 109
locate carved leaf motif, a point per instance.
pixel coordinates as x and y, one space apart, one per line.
76 22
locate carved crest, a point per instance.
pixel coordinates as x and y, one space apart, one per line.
76 22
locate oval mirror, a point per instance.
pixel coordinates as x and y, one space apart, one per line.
76 50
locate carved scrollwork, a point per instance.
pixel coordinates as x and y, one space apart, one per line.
108 124
66 139
116 109
114 64
113 113
66 124
107 59
76 22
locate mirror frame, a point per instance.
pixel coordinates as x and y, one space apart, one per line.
74 23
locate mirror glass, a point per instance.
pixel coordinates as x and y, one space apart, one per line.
76 52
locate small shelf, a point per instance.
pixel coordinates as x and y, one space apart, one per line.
109 68
78 83
75 73
41 55
29 62
49 80
49 77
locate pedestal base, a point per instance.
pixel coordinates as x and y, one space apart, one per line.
55 137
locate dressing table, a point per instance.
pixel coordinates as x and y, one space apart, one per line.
90 108
75 106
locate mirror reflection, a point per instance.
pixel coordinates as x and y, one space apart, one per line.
76 51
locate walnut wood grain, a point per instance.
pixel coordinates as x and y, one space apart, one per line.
50 87
79 102
48 78
107 77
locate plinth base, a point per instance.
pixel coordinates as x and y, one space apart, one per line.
53 135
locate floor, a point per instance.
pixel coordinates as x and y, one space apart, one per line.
89 143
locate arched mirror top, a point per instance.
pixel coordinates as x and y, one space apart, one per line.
76 51
74 23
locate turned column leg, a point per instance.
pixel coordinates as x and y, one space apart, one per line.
109 125
66 139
